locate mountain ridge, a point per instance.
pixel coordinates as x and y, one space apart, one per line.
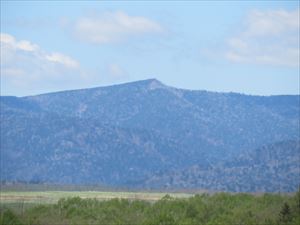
149 80
125 134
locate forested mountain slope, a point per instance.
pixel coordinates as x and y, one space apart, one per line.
136 133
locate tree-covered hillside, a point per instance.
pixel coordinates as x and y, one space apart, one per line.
134 133
274 166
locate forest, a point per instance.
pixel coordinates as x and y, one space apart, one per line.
200 209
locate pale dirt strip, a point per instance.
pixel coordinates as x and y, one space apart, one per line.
53 197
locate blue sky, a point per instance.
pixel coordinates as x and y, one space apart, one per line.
249 47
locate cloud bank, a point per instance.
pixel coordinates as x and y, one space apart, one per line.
113 27
27 66
268 37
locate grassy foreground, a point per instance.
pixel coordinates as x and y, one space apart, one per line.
124 208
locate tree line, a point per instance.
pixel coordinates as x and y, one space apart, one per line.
204 209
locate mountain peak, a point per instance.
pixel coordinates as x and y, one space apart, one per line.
151 81
150 84
154 84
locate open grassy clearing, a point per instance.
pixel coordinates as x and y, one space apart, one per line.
20 201
47 197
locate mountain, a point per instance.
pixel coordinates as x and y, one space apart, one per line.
136 133
271 167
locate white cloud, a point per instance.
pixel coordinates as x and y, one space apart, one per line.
270 37
7 39
62 59
11 42
25 67
27 46
113 27
272 22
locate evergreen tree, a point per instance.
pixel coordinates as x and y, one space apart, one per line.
285 213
